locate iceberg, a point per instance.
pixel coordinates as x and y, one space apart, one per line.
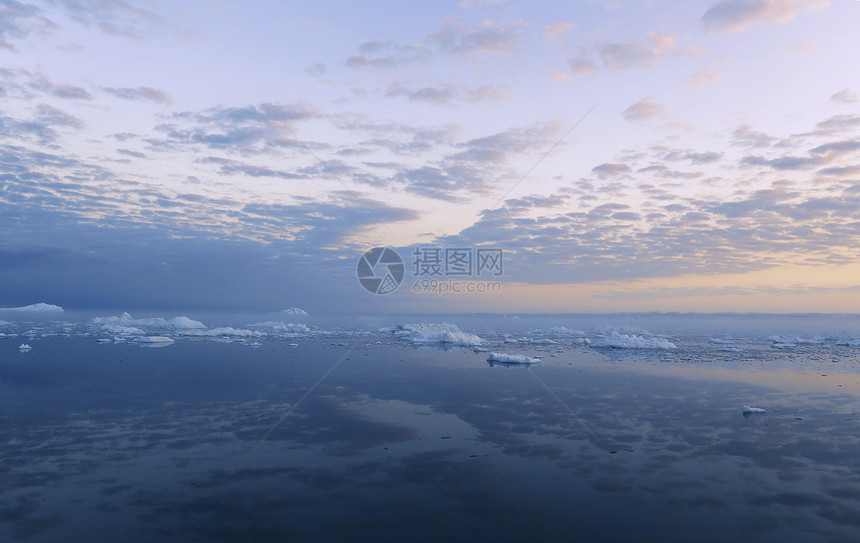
127 320
440 333
749 410
24 347
296 311
511 358
35 307
153 339
283 327
624 341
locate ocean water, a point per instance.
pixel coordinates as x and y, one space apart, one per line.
365 431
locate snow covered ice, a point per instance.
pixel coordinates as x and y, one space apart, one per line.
625 341
511 358
437 333
747 410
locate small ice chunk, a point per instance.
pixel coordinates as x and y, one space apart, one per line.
748 409
511 358
24 347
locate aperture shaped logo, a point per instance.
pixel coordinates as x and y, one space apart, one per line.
380 270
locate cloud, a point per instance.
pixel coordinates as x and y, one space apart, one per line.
39 82
581 66
557 31
645 109
631 54
52 116
610 170
139 94
708 75
454 38
738 15
457 38
845 96
745 136
442 94
622 55
18 20
118 18
445 94
383 54
249 128
477 165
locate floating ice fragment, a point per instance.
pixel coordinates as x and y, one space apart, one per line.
511 358
624 341
222 331
749 410
24 347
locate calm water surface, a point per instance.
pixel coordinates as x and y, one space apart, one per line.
342 439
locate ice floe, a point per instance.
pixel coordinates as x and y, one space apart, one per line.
42 307
438 333
153 339
24 347
625 341
749 410
512 358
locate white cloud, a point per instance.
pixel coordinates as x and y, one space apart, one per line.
738 15
645 109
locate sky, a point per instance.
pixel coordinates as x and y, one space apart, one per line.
696 156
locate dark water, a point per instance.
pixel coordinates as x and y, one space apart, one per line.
203 441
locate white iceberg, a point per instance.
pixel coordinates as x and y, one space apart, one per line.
624 341
24 347
281 326
123 330
439 333
557 331
127 320
153 339
50 308
748 409
511 358
296 311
